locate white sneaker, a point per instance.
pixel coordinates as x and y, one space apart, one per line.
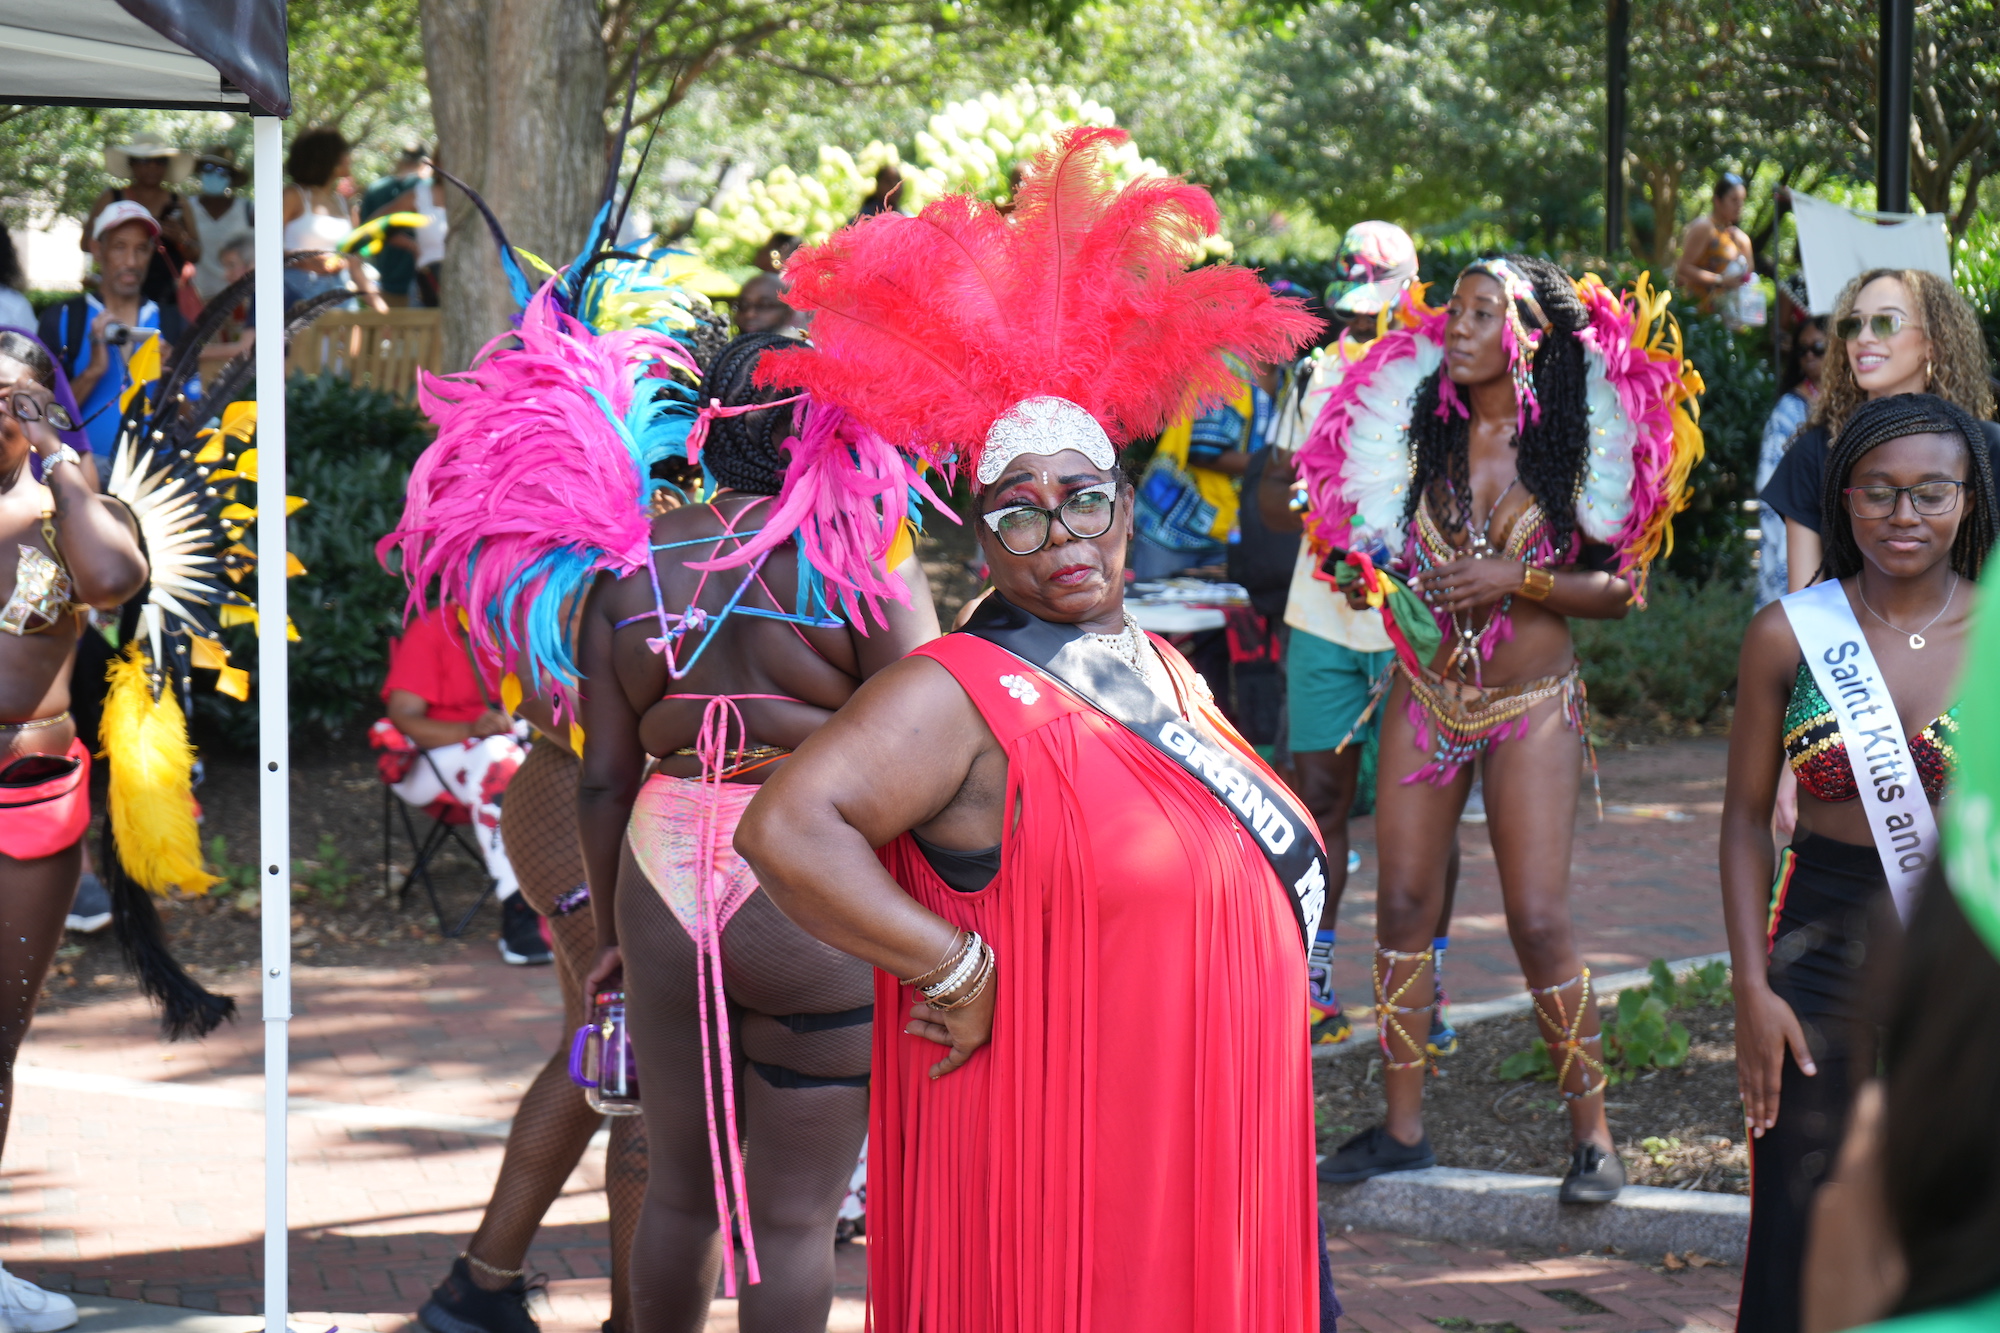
26 1308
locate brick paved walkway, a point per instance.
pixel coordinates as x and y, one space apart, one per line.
135 1168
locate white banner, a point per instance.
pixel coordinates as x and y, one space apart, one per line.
1837 245
1891 790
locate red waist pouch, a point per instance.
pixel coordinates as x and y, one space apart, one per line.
40 816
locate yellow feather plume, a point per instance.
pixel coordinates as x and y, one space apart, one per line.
152 789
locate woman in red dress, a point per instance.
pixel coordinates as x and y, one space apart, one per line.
1041 822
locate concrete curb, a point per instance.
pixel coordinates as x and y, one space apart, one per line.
1495 1208
1464 1015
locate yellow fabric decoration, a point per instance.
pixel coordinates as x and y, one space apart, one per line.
240 513
1218 490
211 452
232 614
152 788
510 694
575 739
293 566
234 682
207 653
246 465
142 366
294 503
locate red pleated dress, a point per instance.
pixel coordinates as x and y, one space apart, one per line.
1134 1149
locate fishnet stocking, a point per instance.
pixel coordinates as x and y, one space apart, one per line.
34 898
800 1144
554 1124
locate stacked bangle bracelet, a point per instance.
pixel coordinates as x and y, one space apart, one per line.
1537 583
961 977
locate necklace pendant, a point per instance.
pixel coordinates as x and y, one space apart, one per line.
1916 641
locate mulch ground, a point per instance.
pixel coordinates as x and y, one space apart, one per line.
1478 1121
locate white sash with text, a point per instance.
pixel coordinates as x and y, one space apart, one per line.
1891 791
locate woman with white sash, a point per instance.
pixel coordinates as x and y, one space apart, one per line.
1850 682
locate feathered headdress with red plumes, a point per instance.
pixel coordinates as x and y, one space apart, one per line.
963 334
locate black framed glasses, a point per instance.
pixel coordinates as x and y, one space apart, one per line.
26 408
1930 498
1883 326
1024 529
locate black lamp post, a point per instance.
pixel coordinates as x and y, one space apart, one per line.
1615 66
1894 56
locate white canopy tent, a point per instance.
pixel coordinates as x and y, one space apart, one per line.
211 55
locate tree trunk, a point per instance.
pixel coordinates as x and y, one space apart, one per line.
517 93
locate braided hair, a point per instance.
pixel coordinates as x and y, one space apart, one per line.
745 453
1551 450
1879 421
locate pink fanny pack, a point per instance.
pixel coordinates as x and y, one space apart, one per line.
43 812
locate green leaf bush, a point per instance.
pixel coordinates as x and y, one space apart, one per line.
1640 1033
1673 664
349 452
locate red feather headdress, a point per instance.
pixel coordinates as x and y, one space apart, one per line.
931 329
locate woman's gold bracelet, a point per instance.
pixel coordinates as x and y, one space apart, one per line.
952 953
1537 583
970 988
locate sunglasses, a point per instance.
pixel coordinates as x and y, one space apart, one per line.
1884 327
1025 529
1812 349
1929 498
26 408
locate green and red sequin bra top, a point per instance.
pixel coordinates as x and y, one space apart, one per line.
1818 755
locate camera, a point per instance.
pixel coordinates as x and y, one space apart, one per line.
119 335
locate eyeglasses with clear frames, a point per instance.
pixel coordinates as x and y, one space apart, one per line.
1025 529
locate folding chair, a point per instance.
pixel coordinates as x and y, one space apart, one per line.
446 819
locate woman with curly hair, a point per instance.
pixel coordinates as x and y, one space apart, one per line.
1893 331
1493 531
1909 519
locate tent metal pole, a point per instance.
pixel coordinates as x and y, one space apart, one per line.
274 768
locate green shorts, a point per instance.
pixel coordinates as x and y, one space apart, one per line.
1326 689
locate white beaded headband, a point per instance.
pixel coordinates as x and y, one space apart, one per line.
1044 426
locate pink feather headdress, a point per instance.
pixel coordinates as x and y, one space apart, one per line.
931 329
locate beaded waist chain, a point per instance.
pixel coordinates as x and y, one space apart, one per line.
1458 723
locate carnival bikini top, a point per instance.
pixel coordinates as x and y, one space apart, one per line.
42 588
1818 755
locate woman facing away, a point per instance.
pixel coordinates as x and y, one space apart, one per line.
1507 532
1092 1109
1798 390
751 1036
1893 331
486 1290
64 549
1866 659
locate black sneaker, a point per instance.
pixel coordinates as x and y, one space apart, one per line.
1595 1176
460 1305
1375 1152
521 941
91 912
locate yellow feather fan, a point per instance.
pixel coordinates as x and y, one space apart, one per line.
152 781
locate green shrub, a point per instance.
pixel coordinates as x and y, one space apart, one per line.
1977 275
1674 661
1640 1033
349 453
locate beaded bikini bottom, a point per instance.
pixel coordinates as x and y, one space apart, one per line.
1457 723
